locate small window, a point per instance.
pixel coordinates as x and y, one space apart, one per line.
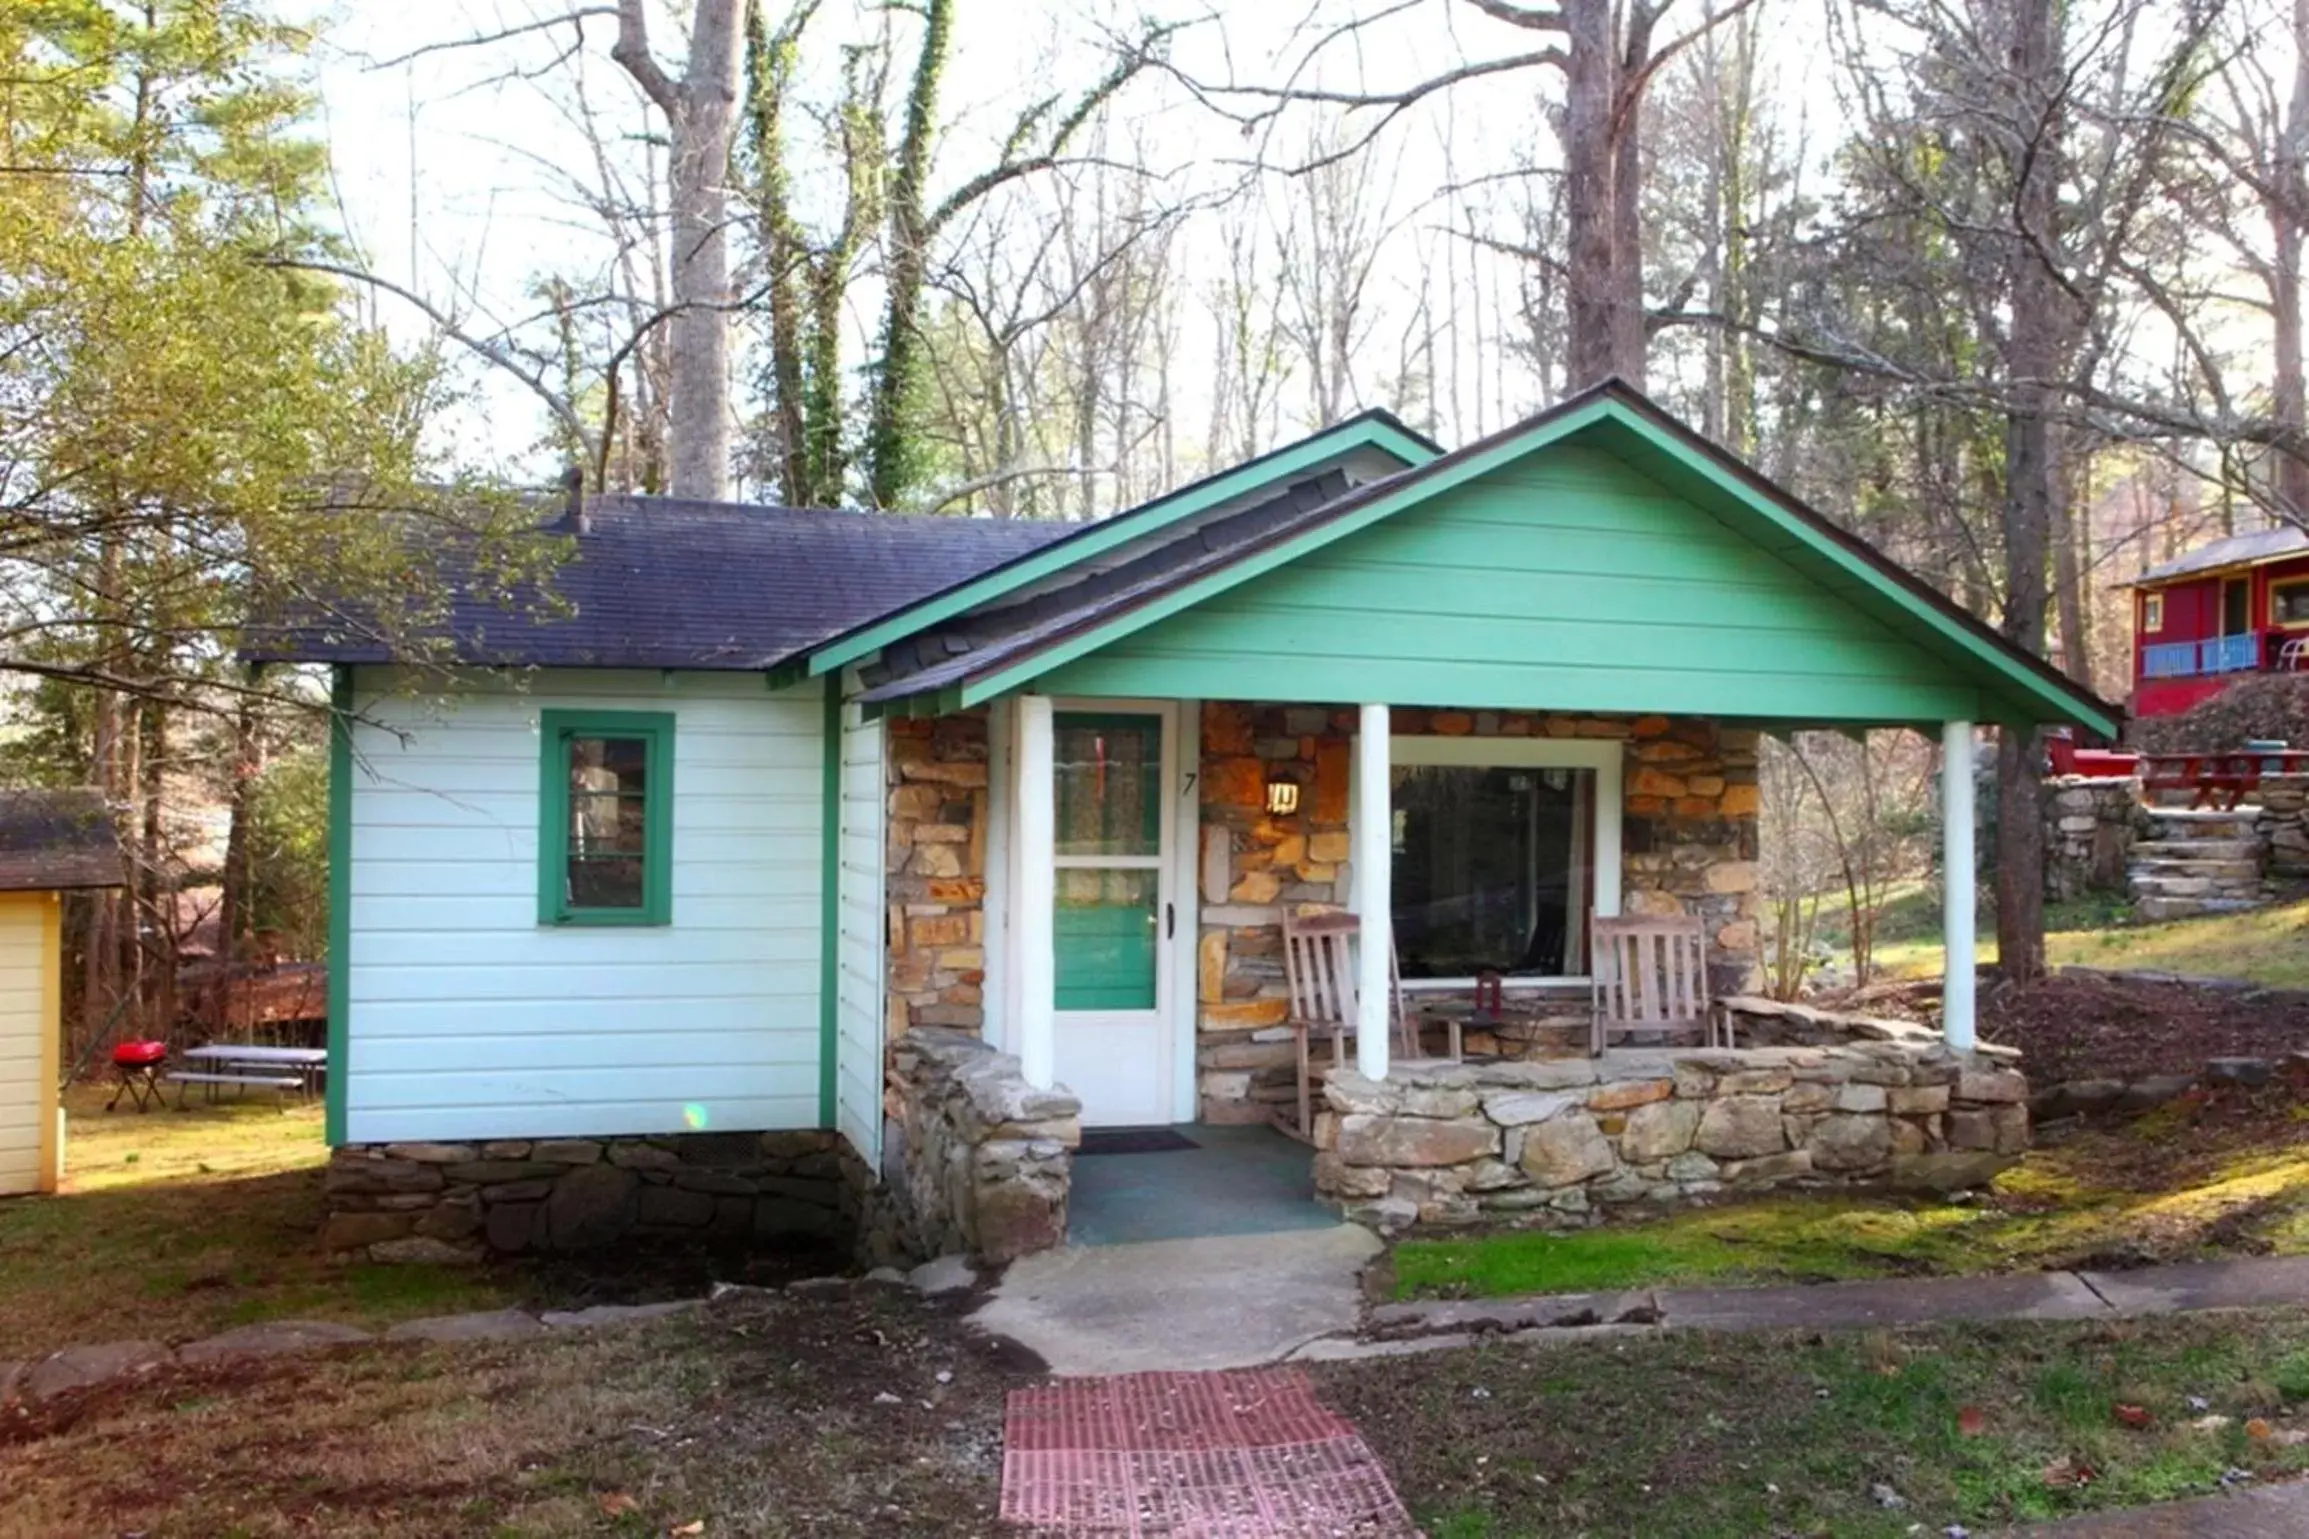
2153 612
605 845
2289 603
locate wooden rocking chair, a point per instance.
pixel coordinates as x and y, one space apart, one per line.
1651 980
1319 968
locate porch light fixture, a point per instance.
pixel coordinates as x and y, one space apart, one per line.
1282 797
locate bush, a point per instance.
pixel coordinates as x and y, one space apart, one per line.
2272 706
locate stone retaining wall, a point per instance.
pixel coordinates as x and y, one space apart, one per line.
451 1201
2284 826
1552 1142
977 1162
2090 827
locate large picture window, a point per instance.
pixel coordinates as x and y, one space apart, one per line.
1502 848
605 840
1492 868
2289 602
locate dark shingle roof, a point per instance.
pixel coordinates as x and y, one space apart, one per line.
2236 550
661 583
55 840
975 643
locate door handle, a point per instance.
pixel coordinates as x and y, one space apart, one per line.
1170 920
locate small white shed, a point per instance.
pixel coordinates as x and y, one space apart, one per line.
51 842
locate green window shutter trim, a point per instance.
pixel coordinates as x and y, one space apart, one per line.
556 728
340 899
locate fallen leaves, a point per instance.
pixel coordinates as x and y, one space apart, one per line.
2136 1417
616 1504
1971 1421
2069 1475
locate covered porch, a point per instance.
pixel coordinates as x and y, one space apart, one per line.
1477 703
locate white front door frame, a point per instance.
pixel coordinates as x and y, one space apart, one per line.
1023 848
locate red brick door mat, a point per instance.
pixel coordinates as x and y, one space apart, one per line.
1244 1454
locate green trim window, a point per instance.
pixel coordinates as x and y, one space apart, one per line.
605 831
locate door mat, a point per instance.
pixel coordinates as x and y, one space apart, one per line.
1134 1141
1244 1454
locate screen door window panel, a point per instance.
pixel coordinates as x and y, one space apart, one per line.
1108 911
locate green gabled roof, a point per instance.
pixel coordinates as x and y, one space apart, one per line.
1622 423
1374 429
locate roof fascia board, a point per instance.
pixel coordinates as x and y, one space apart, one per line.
1864 574
2206 573
1134 523
1162 606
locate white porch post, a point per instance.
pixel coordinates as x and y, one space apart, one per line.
1374 857
1956 864
1033 904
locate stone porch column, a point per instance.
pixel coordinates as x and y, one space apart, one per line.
1374 857
1033 915
1956 866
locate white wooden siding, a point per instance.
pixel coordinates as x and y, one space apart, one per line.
25 1101
469 1019
862 949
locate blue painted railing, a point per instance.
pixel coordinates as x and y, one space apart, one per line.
2189 659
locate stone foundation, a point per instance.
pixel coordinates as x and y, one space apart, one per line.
452 1201
977 1162
1554 1143
1689 842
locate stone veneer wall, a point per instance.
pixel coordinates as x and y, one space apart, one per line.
1688 845
979 1162
937 872
448 1201
1552 1143
2090 827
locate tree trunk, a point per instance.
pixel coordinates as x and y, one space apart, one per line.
892 458
2032 360
701 115
1590 210
2288 213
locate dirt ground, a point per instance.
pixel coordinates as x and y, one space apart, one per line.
869 1413
2079 1026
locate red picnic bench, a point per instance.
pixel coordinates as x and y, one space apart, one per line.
2217 780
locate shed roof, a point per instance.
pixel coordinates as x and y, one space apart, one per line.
2235 550
658 582
52 840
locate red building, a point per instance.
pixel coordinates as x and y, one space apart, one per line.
2239 605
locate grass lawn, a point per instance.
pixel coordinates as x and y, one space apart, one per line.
2270 946
178 1224
1692 1435
2196 1179
878 1415
820 1419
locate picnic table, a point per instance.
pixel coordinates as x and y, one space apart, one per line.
246 1065
2219 779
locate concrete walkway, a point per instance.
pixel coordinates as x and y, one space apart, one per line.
1433 1323
1230 1301
2269 1512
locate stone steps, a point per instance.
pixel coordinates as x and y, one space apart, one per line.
2152 908
2178 885
2161 865
2204 822
2198 849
